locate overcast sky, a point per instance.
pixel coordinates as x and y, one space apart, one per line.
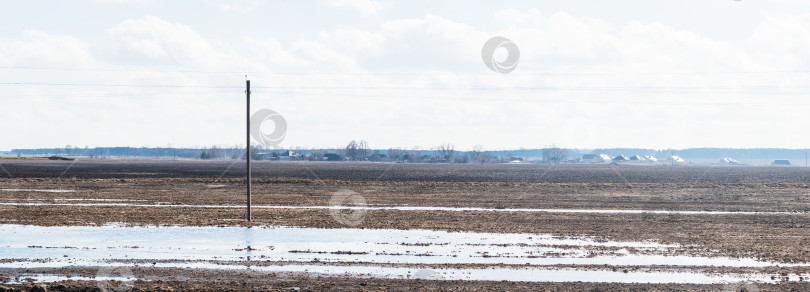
653 74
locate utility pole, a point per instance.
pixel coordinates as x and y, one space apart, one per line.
247 94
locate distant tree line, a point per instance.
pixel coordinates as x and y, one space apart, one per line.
355 150
361 150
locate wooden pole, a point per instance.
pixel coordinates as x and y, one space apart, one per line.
247 94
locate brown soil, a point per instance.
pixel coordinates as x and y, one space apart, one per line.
217 280
776 237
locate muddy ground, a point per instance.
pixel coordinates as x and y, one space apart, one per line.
209 280
781 238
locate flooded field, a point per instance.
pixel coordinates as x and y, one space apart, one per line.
368 253
370 208
496 234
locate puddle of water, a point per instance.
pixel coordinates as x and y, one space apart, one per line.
530 274
48 278
37 190
537 275
414 208
309 244
357 252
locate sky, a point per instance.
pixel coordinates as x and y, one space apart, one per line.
408 74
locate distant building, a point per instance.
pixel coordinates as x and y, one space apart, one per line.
781 162
60 158
729 161
596 158
637 158
675 159
515 159
621 158
289 155
332 157
262 156
651 158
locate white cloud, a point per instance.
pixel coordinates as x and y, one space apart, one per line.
364 6
37 47
792 3
152 39
326 59
784 41
301 56
354 40
124 1
431 43
666 49
433 25
581 81
157 38
239 6
563 43
270 50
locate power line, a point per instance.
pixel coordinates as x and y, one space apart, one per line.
461 99
360 87
116 85
397 74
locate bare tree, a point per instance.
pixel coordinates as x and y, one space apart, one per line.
446 153
414 156
479 154
351 151
255 153
376 156
205 154
364 149
356 150
396 154
554 154
216 152
316 155
463 158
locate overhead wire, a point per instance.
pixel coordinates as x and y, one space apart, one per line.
351 84
167 70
